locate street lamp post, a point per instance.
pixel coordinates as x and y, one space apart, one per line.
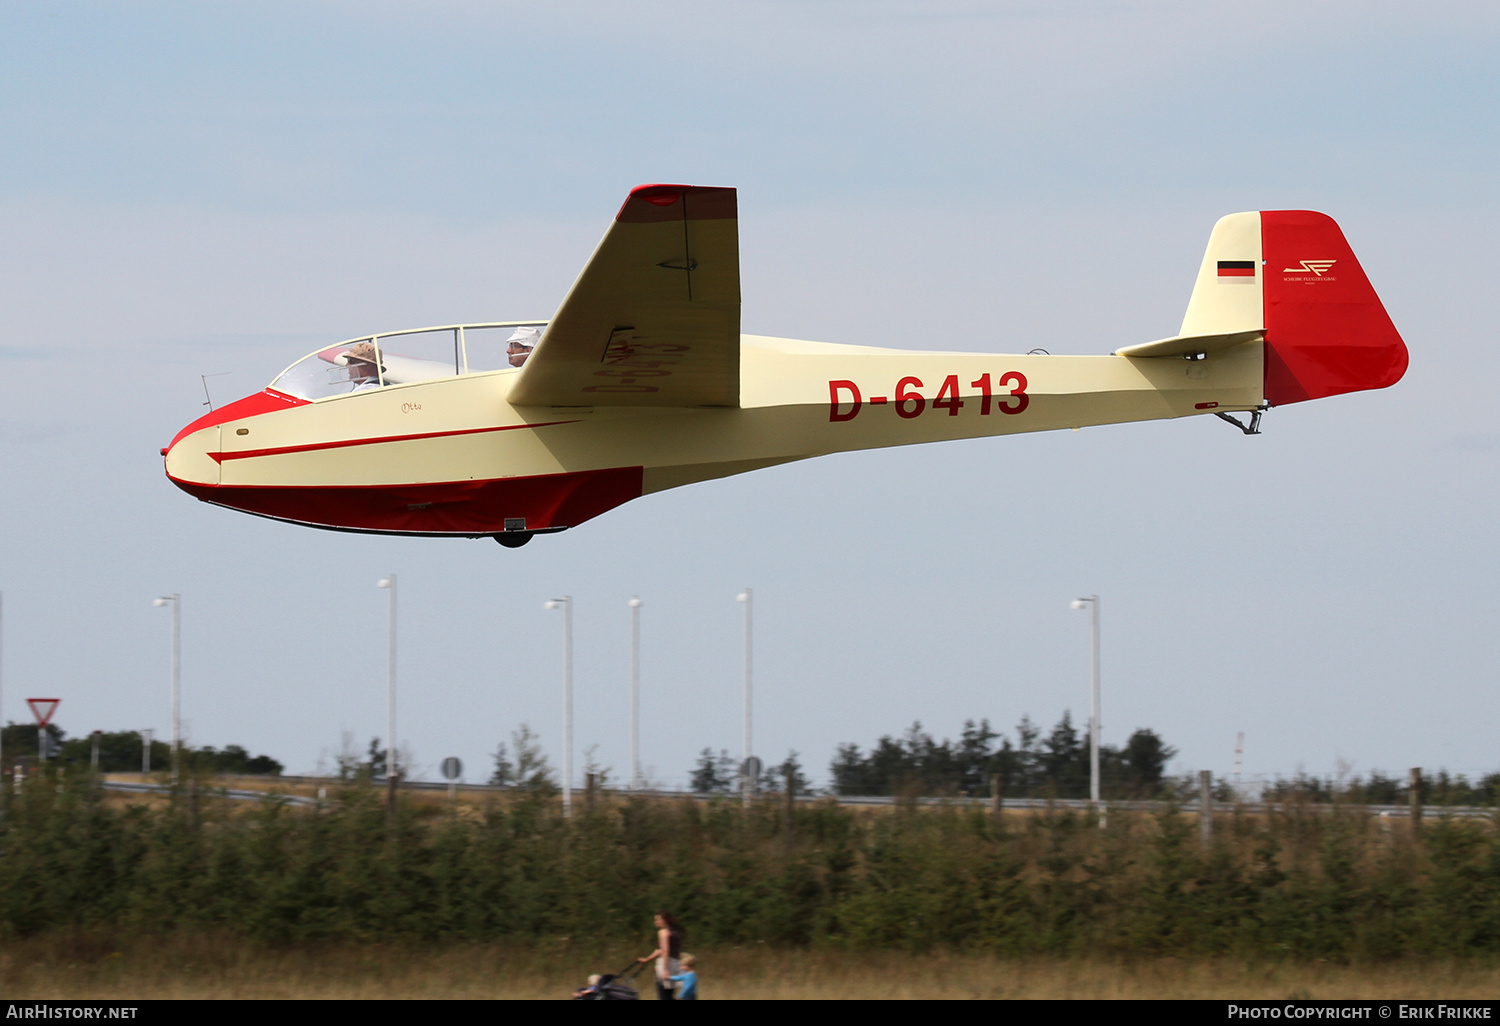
635 693
748 598
1093 603
566 604
175 601
389 582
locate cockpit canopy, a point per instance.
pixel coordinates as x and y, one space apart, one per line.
418 354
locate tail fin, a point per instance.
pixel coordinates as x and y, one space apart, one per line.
1292 275
1326 331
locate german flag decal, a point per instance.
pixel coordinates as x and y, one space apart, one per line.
1237 272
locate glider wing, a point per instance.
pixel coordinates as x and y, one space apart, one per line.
654 318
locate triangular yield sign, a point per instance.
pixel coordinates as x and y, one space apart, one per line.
43 708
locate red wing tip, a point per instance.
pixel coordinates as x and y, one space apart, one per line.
659 187
658 202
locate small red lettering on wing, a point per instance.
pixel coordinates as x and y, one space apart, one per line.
628 358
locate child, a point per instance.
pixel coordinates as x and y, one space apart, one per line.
688 978
589 993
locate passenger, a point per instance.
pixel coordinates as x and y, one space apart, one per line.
360 360
520 344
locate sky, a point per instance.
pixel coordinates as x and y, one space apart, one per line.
197 195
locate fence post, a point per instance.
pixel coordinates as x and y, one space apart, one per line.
997 797
1415 798
390 795
1205 807
588 792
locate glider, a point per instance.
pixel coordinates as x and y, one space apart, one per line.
641 381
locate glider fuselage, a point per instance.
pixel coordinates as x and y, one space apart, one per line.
452 456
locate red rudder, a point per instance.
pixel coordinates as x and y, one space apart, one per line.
1326 330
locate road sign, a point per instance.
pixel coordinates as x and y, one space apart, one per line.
43 708
453 768
750 768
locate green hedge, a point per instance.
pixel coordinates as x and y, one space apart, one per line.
1305 883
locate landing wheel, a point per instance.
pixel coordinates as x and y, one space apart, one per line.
514 539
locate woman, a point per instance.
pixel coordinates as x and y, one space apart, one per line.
668 953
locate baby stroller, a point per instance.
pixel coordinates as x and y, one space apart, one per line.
612 986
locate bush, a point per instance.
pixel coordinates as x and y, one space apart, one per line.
1304 883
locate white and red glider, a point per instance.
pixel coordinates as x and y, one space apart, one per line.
641 381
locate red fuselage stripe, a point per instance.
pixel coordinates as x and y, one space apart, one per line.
251 453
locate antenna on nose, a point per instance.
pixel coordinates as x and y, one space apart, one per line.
204 378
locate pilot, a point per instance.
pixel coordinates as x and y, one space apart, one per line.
520 344
360 360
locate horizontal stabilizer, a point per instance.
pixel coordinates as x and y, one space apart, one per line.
1191 345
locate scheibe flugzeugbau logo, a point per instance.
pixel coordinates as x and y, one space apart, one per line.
1315 267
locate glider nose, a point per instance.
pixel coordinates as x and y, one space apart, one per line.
189 459
192 457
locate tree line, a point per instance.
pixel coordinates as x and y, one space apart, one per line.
1054 764
1377 788
1033 765
720 774
124 751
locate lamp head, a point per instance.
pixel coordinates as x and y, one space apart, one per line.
552 604
1080 603
743 596
161 602
636 603
384 582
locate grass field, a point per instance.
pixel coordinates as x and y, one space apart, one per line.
81 966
